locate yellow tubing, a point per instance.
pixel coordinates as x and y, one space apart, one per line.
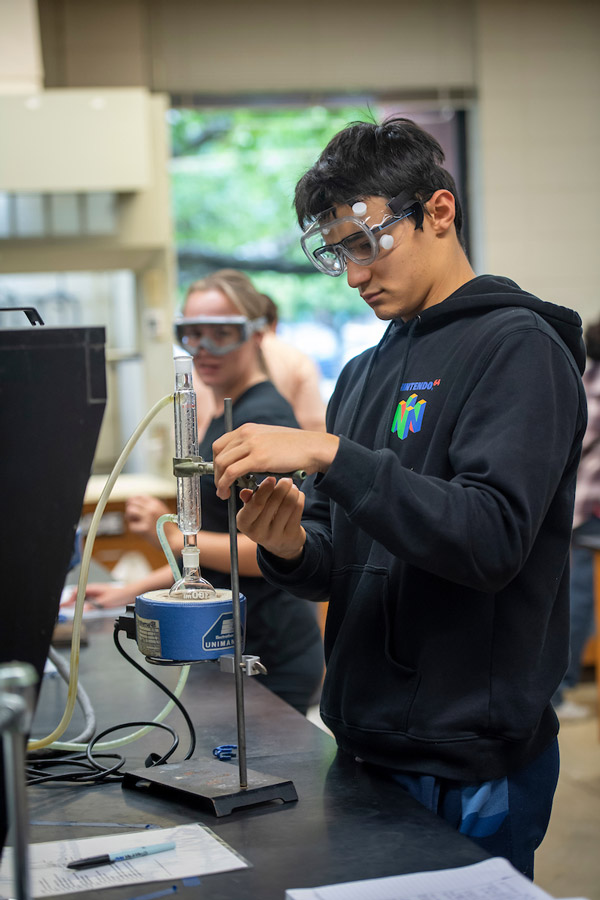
83 576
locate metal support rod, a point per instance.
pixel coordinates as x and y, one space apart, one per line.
16 710
13 744
237 618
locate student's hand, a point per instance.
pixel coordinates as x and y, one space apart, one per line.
269 448
142 514
103 596
271 516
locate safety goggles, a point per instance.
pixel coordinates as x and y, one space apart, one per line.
218 335
357 239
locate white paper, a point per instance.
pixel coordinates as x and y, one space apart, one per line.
198 852
49 668
493 879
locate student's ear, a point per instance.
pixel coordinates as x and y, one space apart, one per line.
441 207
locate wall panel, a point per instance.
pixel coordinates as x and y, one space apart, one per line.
264 46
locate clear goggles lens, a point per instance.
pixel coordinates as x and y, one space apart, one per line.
328 244
329 255
218 335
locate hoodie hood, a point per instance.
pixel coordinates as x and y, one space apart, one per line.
481 295
488 292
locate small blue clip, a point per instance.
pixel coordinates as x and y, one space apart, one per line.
225 751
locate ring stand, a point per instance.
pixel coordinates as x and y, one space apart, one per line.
213 784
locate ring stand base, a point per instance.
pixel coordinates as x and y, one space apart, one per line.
213 785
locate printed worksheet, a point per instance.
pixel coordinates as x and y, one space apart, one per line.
492 879
198 851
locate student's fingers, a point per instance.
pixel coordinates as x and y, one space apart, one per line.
92 590
283 504
256 448
273 518
108 597
254 504
230 465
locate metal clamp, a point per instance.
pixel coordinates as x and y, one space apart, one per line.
225 751
253 479
250 665
188 466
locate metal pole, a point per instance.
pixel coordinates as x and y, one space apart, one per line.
16 710
13 745
237 618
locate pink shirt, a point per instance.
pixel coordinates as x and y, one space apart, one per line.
587 492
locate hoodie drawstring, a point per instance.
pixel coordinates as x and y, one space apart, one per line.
369 373
394 406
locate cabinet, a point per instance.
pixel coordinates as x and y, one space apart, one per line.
113 538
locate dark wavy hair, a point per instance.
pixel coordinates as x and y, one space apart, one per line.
365 159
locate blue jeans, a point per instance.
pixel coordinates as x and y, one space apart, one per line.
506 817
581 616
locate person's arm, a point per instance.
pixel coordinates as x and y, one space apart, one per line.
509 449
271 515
296 376
305 574
308 404
105 594
270 448
514 439
309 407
214 554
142 513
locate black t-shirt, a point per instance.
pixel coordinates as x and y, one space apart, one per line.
278 626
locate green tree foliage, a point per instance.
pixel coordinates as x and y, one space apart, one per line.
233 173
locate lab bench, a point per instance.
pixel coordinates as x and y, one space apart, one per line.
348 823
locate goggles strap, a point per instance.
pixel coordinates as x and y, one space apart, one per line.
401 208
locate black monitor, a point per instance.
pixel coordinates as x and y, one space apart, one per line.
52 399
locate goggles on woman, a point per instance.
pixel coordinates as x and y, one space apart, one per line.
362 242
218 335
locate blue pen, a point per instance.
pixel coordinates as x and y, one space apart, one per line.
119 856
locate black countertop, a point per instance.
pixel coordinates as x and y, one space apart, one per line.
347 824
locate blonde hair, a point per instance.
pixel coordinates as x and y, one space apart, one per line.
238 288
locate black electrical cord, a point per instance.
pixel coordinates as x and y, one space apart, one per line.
157 762
93 772
163 688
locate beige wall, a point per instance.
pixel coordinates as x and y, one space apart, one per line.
538 80
241 47
20 49
532 66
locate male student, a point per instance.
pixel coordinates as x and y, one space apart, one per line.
439 518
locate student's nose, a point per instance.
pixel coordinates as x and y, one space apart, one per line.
357 275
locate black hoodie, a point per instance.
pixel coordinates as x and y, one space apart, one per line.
440 535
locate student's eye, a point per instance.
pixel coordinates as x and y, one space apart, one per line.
359 245
224 334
